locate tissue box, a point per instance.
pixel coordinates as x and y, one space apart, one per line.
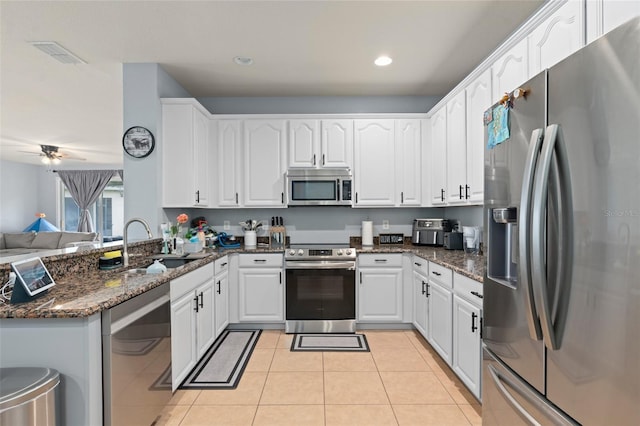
193 247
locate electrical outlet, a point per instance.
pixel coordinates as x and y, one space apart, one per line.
227 225
385 224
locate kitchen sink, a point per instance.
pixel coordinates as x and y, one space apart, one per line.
174 261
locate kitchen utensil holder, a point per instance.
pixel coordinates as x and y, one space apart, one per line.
277 237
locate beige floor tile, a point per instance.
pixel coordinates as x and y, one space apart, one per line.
184 397
268 339
286 360
289 415
285 340
247 393
348 361
260 360
354 388
289 388
455 387
387 339
473 413
423 415
360 415
172 415
209 415
399 360
414 388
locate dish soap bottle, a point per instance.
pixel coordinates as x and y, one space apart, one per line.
156 268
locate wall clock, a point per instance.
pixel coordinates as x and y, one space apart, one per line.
138 142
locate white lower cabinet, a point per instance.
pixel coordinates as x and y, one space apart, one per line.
440 319
221 295
192 320
467 332
260 288
420 304
380 287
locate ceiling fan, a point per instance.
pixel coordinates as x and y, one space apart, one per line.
51 154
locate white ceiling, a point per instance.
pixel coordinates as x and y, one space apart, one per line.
299 48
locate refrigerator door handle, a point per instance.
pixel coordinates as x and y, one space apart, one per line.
498 379
553 142
524 226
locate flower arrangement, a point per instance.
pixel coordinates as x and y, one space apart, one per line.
176 229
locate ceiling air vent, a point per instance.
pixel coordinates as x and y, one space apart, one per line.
57 52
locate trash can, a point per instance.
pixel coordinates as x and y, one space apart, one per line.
28 396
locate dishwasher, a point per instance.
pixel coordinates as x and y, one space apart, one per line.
136 358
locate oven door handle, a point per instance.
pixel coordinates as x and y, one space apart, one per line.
351 266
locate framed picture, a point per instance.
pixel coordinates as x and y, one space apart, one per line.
138 142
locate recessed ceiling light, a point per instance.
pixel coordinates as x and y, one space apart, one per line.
383 61
243 60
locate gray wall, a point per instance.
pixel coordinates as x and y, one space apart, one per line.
320 104
143 86
19 193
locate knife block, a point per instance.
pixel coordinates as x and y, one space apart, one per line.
277 237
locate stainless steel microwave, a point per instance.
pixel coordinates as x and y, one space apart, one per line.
319 187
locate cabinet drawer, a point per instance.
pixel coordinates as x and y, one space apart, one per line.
260 260
468 289
221 264
189 281
382 260
421 266
440 274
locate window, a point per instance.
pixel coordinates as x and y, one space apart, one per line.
107 212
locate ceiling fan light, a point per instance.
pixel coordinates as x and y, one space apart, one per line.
45 160
55 160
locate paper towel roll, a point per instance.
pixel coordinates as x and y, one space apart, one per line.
367 233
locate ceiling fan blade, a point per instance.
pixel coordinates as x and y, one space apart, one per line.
31 152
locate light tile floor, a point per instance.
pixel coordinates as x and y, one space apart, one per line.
402 381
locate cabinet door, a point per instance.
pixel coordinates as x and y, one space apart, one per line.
438 157
229 165
456 154
440 320
380 294
337 143
467 344
200 159
420 304
205 327
510 71
260 294
478 100
557 37
374 165
265 163
221 296
409 166
183 338
177 149
304 143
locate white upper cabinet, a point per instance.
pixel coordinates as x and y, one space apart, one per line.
337 143
557 37
229 144
456 149
264 163
510 71
374 163
605 15
438 159
185 130
478 100
304 143
320 143
408 162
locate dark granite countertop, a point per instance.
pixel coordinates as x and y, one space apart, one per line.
472 266
87 293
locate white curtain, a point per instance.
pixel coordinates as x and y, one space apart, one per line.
85 186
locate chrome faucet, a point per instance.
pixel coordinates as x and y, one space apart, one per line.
125 242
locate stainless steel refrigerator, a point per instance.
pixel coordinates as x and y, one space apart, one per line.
561 342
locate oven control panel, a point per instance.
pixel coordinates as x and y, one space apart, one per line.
321 253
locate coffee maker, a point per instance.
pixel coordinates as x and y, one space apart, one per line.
430 232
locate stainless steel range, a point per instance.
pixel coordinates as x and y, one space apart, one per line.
320 289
